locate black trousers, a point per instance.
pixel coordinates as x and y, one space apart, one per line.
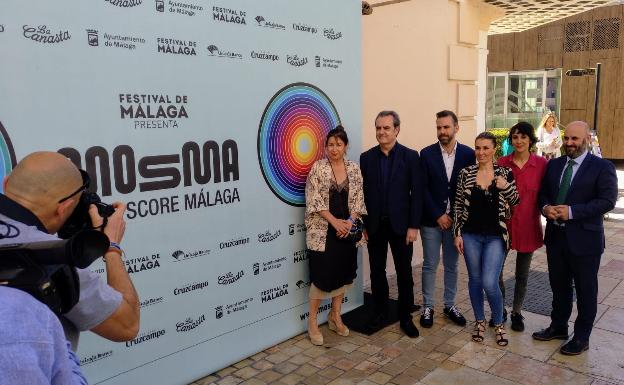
564 267
402 256
523 266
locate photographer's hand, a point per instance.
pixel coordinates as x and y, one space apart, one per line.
123 324
116 225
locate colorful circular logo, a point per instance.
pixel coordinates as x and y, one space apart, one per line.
7 155
291 138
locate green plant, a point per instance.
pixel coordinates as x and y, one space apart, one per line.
500 134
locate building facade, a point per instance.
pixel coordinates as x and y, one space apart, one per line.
575 42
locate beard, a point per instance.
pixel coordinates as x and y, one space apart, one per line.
445 139
575 151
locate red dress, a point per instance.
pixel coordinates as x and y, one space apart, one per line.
524 226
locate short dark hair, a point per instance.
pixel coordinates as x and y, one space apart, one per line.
338 133
523 128
445 113
486 135
396 121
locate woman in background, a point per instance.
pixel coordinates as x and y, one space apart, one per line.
549 137
334 203
524 226
484 197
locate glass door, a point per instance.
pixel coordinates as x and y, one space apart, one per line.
521 96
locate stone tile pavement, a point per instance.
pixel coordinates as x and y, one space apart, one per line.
444 354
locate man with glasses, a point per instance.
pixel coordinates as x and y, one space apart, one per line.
39 196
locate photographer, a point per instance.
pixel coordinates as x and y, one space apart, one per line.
41 193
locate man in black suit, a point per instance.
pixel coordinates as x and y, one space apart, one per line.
393 197
441 163
576 192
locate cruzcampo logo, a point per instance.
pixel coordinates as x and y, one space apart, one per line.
7 154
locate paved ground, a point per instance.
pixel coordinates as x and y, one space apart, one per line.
445 354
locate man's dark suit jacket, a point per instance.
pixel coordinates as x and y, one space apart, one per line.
592 194
405 192
438 189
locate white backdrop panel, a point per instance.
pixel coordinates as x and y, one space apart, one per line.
169 105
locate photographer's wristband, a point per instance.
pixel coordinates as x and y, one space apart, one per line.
114 248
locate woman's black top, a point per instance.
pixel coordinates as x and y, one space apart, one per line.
483 212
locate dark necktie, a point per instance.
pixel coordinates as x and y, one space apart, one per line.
565 183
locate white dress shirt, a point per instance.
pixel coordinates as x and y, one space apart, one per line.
449 161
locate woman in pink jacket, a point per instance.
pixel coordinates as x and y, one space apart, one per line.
524 225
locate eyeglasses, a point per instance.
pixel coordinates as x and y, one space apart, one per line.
85 185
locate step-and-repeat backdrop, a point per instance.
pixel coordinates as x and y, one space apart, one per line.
205 117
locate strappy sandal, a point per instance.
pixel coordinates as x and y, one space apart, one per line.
478 331
499 330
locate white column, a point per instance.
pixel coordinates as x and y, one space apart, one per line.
482 81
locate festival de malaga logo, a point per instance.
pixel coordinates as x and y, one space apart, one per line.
7 155
290 138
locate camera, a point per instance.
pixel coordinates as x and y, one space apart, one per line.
80 219
47 270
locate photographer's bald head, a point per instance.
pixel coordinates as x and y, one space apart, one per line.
48 184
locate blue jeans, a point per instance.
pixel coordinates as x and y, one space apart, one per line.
485 255
432 239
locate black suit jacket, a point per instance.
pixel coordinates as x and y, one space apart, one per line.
593 193
438 189
405 189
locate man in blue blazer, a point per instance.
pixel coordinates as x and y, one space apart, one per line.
576 192
393 197
441 163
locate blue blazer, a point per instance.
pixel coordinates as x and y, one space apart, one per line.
405 192
592 194
438 190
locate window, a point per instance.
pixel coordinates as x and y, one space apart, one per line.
521 96
525 93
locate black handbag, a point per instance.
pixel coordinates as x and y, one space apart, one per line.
355 234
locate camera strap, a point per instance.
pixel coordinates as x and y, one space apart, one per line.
103 225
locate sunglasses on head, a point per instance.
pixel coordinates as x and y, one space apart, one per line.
85 185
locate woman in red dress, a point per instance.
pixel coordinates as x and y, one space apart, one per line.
525 227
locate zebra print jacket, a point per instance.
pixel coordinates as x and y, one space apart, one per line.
506 198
